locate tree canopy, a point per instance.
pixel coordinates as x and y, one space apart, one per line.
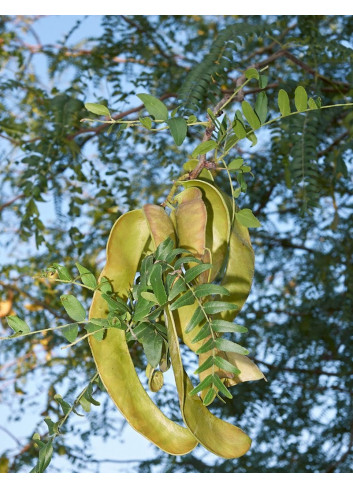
65 180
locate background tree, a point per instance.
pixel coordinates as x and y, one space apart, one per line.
64 182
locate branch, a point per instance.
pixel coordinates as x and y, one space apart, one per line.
313 72
74 53
143 31
240 96
121 115
7 204
333 144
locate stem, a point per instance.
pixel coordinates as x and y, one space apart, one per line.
201 307
82 338
276 119
41 330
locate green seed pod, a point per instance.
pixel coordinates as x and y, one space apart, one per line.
127 244
156 381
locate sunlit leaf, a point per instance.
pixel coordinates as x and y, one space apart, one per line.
226 345
17 325
283 102
301 98
204 148
98 109
250 115
155 107
73 307
247 218
178 129
87 277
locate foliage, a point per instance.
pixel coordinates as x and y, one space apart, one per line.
288 171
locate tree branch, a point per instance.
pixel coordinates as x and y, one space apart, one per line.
7 204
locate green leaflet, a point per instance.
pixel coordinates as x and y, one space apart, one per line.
226 345
194 272
17 324
70 333
202 385
261 107
220 326
186 259
155 107
239 130
250 115
221 387
185 300
209 397
98 109
86 276
283 102
301 98
197 316
225 365
178 129
203 290
128 240
206 365
97 331
252 73
312 104
216 435
73 307
157 284
204 148
215 307
63 272
152 345
247 218
235 164
178 287
44 458
203 333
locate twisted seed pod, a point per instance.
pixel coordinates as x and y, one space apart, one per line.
213 230
128 241
207 428
159 224
237 278
217 223
191 216
216 435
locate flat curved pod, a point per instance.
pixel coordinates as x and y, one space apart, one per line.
128 239
217 436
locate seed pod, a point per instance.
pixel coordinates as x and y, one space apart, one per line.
216 435
216 229
128 241
191 219
159 223
156 381
248 370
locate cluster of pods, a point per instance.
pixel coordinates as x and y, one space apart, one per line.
201 221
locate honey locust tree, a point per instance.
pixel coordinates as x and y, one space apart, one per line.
259 105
